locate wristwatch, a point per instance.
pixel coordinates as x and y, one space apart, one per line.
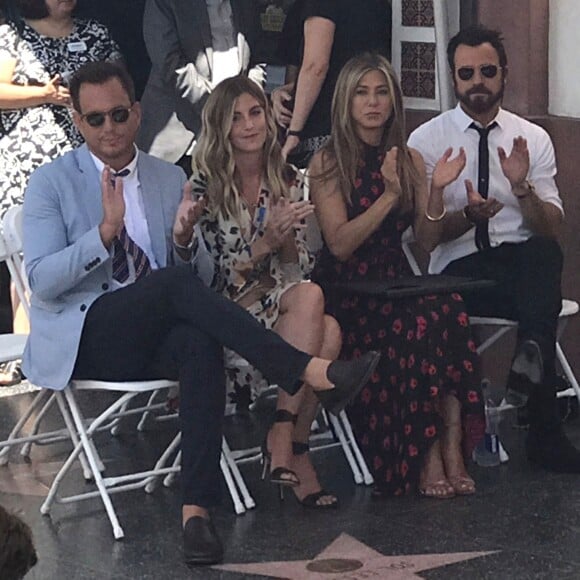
529 189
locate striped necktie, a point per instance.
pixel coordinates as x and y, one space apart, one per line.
123 245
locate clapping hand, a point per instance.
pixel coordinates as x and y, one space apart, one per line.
284 218
188 213
390 173
113 206
479 209
447 170
515 166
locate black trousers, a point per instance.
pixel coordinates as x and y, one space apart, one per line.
169 325
528 289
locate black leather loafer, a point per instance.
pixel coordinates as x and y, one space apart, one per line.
348 378
201 544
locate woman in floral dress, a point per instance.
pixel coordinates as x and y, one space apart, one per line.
252 225
423 402
37 56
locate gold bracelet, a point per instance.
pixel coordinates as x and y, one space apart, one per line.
438 218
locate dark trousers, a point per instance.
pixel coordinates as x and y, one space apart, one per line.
169 325
528 289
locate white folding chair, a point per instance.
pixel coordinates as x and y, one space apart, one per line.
12 345
340 434
81 430
241 498
10 250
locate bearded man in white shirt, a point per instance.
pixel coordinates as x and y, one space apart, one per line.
501 220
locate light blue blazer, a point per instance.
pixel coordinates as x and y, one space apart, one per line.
67 265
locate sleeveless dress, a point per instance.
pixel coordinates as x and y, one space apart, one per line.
426 347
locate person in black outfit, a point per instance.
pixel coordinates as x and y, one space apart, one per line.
125 23
333 31
502 220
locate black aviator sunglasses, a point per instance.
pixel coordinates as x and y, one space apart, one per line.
489 71
118 115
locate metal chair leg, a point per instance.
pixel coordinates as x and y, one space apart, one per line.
36 402
92 459
338 430
368 478
238 504
26 448
152 483
235 471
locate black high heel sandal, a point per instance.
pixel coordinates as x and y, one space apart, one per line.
310 501
281 476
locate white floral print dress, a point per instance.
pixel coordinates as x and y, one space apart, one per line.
238 277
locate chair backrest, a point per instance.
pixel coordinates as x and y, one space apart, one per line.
407 240
11 252
313 235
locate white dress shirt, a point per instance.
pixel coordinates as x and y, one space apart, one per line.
135 220
451 129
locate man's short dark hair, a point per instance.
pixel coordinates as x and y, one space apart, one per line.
17 553
32 9
475 36
98 73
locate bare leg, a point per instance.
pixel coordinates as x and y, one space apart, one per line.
302 464
315 374
301 323
189 511
433 481
451 447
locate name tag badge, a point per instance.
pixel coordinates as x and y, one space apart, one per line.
79 46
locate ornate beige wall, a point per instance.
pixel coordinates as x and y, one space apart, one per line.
524 24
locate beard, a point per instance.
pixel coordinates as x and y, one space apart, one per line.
479 99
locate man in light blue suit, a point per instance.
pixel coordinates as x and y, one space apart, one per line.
110 255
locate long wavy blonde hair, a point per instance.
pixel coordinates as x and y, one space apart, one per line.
213 156
341 155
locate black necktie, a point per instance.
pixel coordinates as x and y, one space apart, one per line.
122 173
481 230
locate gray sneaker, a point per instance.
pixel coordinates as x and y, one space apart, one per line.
526 372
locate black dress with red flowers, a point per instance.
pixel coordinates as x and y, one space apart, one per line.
426 347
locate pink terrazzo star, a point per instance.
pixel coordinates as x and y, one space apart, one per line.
348 559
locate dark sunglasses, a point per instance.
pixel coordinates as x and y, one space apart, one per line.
118 115
489 71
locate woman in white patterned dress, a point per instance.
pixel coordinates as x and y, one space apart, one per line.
253 226
37 55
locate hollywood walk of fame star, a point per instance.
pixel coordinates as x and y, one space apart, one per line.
27 478
348 559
